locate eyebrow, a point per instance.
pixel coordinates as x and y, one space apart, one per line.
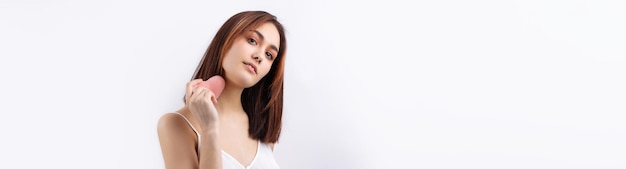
263 39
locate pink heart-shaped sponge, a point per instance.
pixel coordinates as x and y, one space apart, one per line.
215 84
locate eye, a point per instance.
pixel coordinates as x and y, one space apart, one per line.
269 55
251 41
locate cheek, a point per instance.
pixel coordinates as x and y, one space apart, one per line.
231 56
241 47
236 49
266 69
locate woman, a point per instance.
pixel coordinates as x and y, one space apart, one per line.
239 128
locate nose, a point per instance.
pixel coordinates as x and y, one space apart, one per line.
257 58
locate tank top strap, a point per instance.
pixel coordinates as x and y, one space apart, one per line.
194 130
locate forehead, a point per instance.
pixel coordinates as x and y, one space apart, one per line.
270 32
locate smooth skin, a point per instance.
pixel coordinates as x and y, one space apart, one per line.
222 122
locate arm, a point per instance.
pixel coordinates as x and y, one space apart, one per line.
210 152
178 145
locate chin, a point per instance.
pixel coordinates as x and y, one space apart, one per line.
245 81
250 83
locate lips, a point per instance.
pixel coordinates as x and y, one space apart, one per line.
251 67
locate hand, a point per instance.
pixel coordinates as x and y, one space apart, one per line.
201 102
192 85
216 84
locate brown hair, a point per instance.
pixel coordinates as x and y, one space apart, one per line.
262 102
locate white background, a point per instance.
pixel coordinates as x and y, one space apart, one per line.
381 84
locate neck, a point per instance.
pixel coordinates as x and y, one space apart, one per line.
230 100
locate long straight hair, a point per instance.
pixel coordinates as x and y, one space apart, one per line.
262 102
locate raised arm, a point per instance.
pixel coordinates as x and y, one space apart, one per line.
178 145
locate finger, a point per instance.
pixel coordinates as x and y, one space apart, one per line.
210 95
190 87
205 94
214 99
194 83
197 93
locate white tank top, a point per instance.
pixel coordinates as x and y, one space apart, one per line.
264 158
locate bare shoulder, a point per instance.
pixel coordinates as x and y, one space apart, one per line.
178 142
172 125
169 121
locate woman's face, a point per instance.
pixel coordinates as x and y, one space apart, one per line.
251 56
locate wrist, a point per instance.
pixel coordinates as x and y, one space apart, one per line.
210 130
